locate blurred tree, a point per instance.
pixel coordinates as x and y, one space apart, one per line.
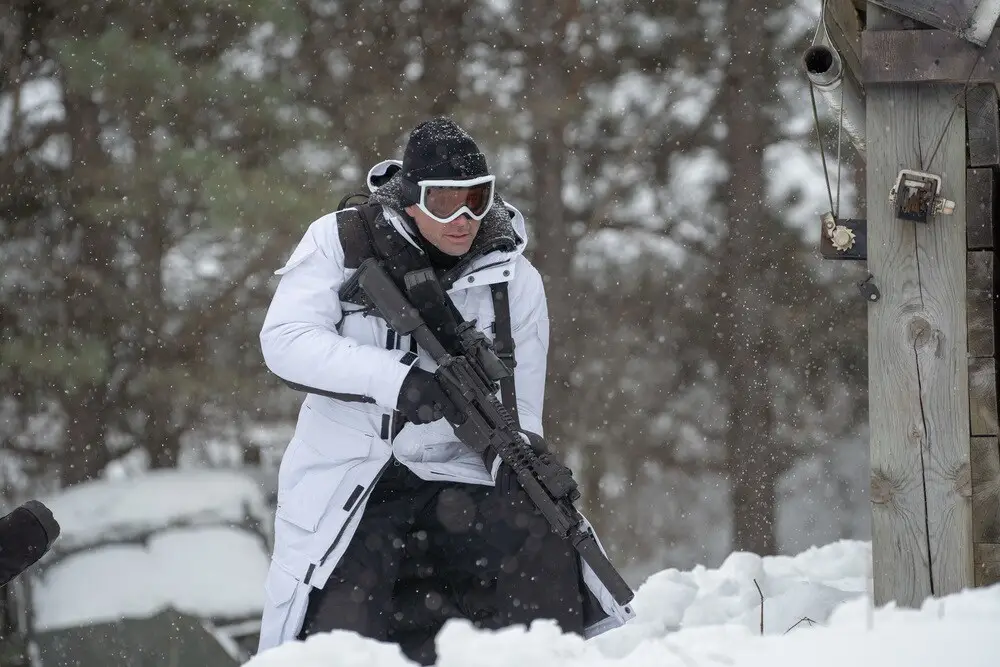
771 305
142 191
672 272
161 160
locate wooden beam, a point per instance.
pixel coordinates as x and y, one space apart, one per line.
982 114
986 490
844 27
982 396
880 18
987 564
972 20
979 300
926 56
980 197
918 349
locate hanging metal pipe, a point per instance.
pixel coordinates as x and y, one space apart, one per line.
825 70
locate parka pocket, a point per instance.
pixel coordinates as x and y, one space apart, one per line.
287 600
279 586
318 481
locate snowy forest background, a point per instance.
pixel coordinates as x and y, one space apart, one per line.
159 160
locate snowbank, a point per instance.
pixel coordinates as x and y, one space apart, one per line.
132 548
108 509
711 618
207 572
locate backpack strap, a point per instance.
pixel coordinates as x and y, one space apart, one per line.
362 236
503 345
364 233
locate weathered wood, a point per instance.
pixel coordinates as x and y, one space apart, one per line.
986 490
972 20
982 396
918 374
980 198
880 18
982 115
844 28
987 564
926 56
979 300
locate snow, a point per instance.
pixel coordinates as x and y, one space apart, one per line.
816 612
208 572
105 509
181 539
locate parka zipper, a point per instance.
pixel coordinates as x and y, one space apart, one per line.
359 503
392 343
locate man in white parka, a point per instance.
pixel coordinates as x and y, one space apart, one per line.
386 524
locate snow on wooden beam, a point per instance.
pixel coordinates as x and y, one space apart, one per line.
971 20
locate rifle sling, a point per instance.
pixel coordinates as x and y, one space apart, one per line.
375 237
503 345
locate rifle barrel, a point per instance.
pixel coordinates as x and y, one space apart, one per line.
488 423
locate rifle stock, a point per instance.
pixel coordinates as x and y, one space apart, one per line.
488 428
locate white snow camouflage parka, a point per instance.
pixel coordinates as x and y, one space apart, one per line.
339 448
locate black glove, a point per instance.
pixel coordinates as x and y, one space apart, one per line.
25 535
507 480
422 399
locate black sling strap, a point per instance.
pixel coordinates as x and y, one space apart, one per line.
399 257
503 345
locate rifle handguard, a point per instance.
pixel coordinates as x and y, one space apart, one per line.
488 424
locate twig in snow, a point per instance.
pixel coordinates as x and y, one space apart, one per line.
761 594
804 618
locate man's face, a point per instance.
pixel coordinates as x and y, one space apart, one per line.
452 238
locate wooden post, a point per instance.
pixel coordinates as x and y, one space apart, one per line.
919 407
983 118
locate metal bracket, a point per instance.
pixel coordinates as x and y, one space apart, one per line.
843 239
916 196
869 290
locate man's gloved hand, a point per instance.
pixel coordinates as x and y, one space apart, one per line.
536 442
507 480
422 399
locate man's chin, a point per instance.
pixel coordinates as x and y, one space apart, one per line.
456 247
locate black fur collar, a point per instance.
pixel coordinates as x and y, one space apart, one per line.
496 232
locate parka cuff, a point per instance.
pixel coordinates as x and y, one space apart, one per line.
386 382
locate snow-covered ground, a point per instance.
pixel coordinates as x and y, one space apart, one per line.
105 509
208 572
816 613
185 540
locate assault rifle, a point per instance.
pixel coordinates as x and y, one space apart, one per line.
470 379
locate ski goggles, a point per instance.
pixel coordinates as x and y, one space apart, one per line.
445 200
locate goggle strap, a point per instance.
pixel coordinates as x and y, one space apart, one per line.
411 191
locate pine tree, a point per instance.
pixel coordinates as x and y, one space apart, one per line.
145 180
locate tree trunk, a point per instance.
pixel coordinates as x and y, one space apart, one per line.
164 444
85 453
443 55
553 257
251 455
754 468
749 437
552 97
162 434
88 316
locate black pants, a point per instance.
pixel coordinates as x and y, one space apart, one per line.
425 552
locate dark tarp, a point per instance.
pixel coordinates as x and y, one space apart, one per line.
168 639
